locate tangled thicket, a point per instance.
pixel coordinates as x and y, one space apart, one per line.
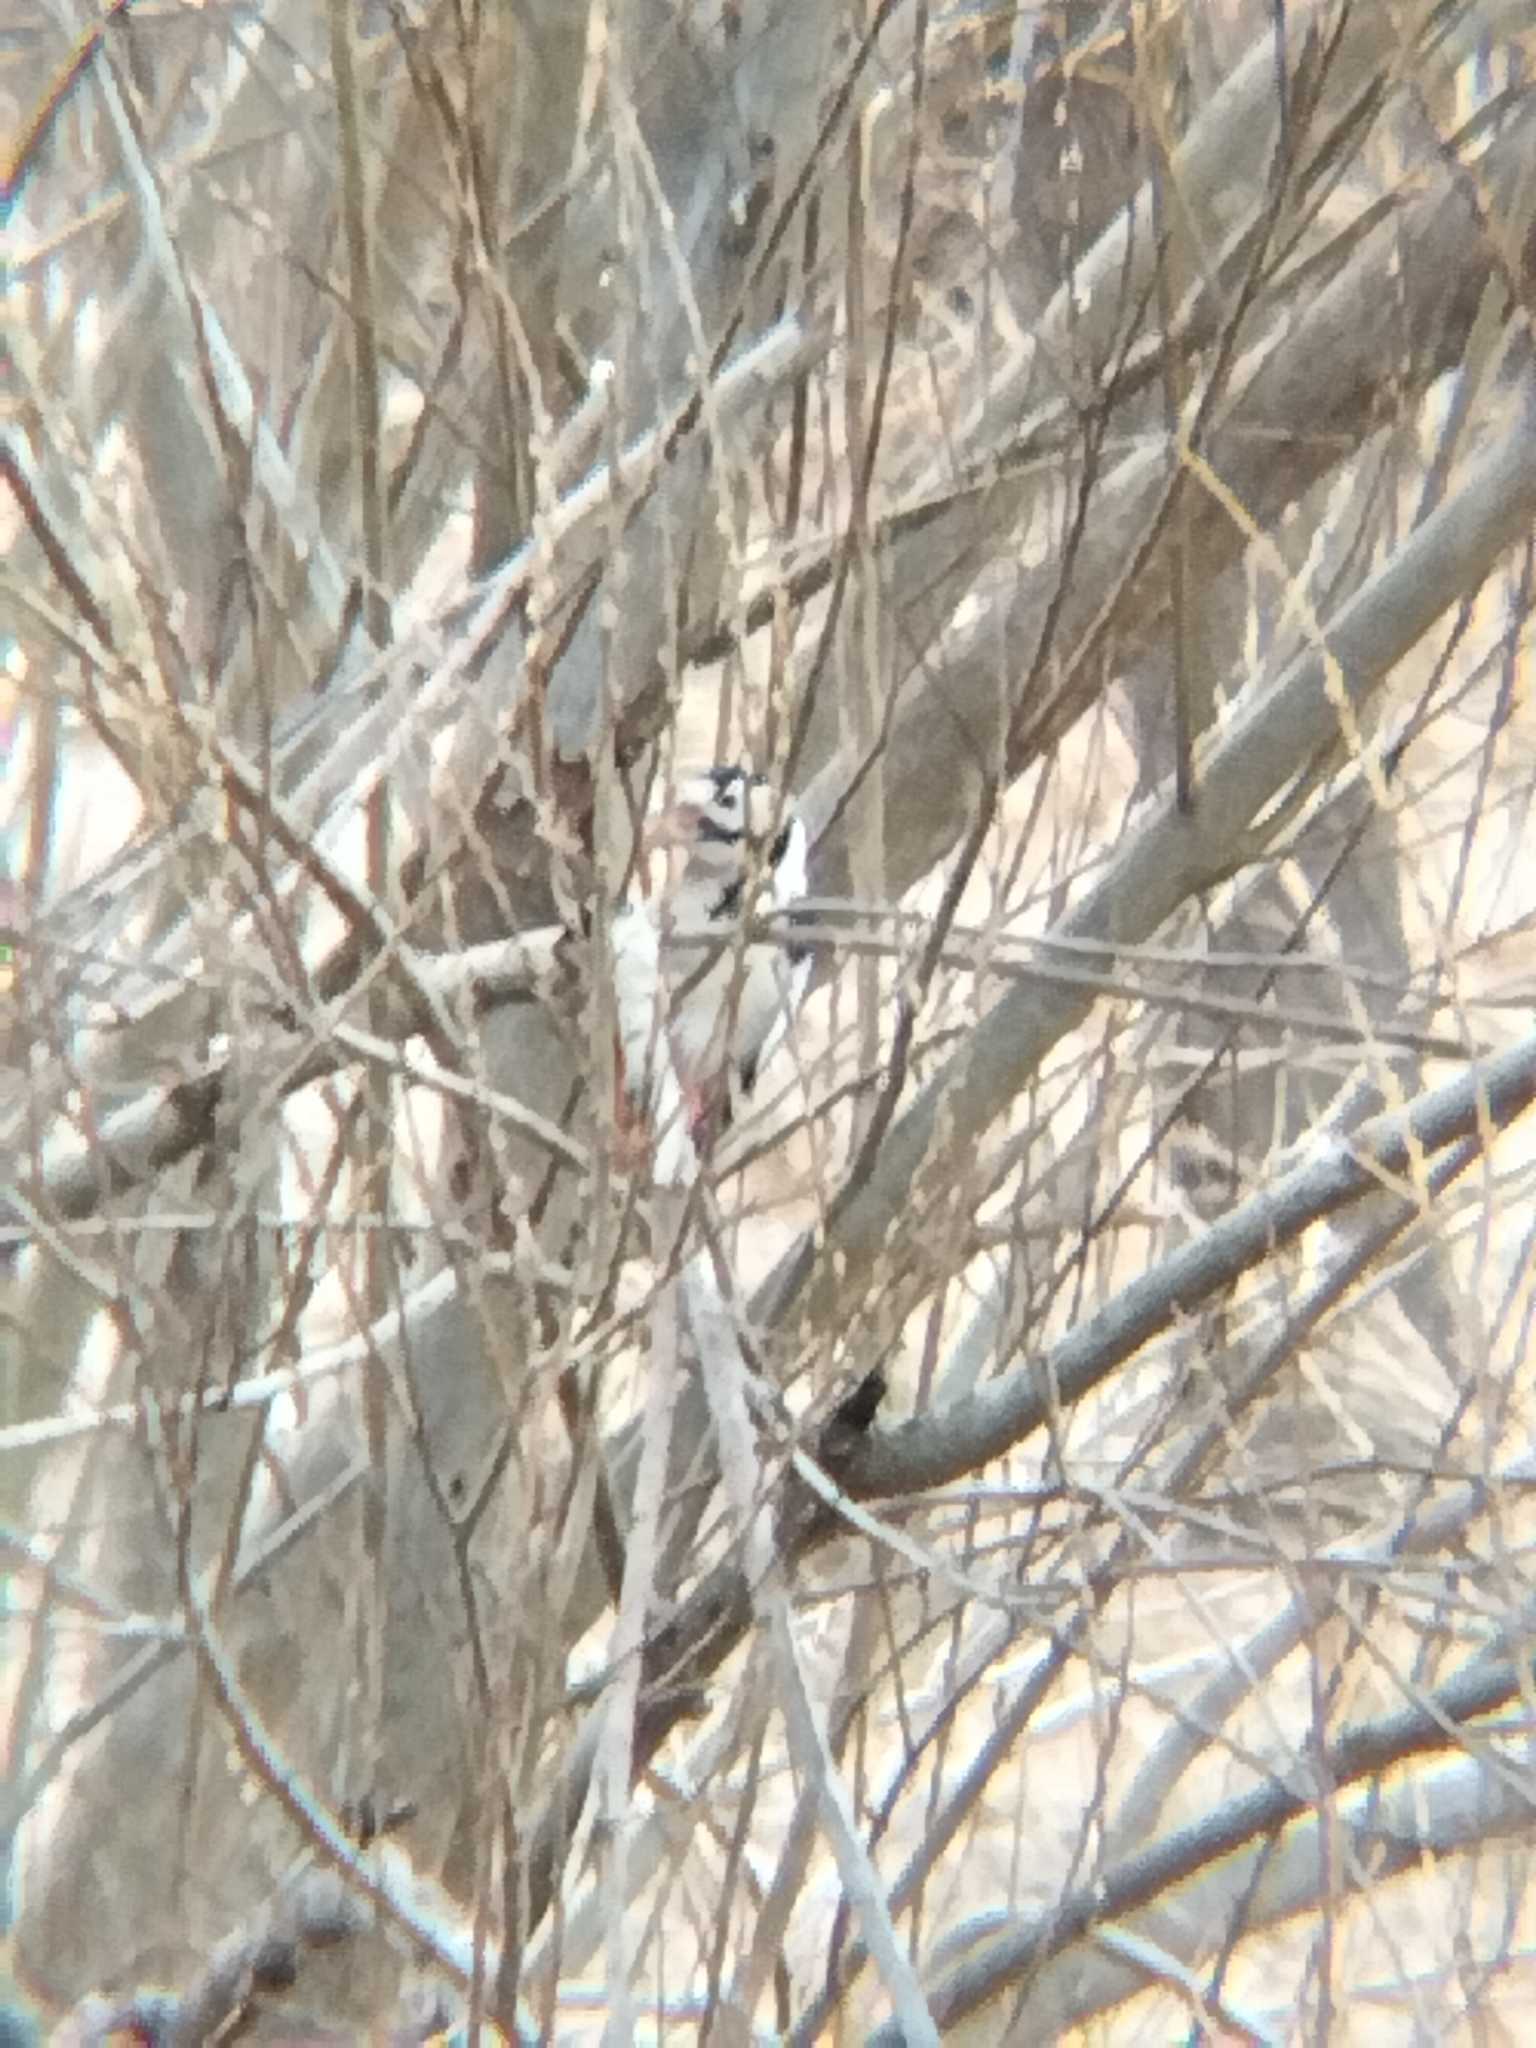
1031 1531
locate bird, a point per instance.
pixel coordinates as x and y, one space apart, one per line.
733 848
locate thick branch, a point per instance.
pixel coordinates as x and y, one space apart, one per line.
1275 731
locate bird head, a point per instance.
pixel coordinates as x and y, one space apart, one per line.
720 828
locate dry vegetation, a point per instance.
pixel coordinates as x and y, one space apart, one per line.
1031 1540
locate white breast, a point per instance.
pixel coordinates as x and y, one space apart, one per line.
725 1002
733 1014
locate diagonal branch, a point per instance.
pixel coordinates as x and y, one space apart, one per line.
1275 730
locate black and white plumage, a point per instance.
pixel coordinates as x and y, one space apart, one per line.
733 849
